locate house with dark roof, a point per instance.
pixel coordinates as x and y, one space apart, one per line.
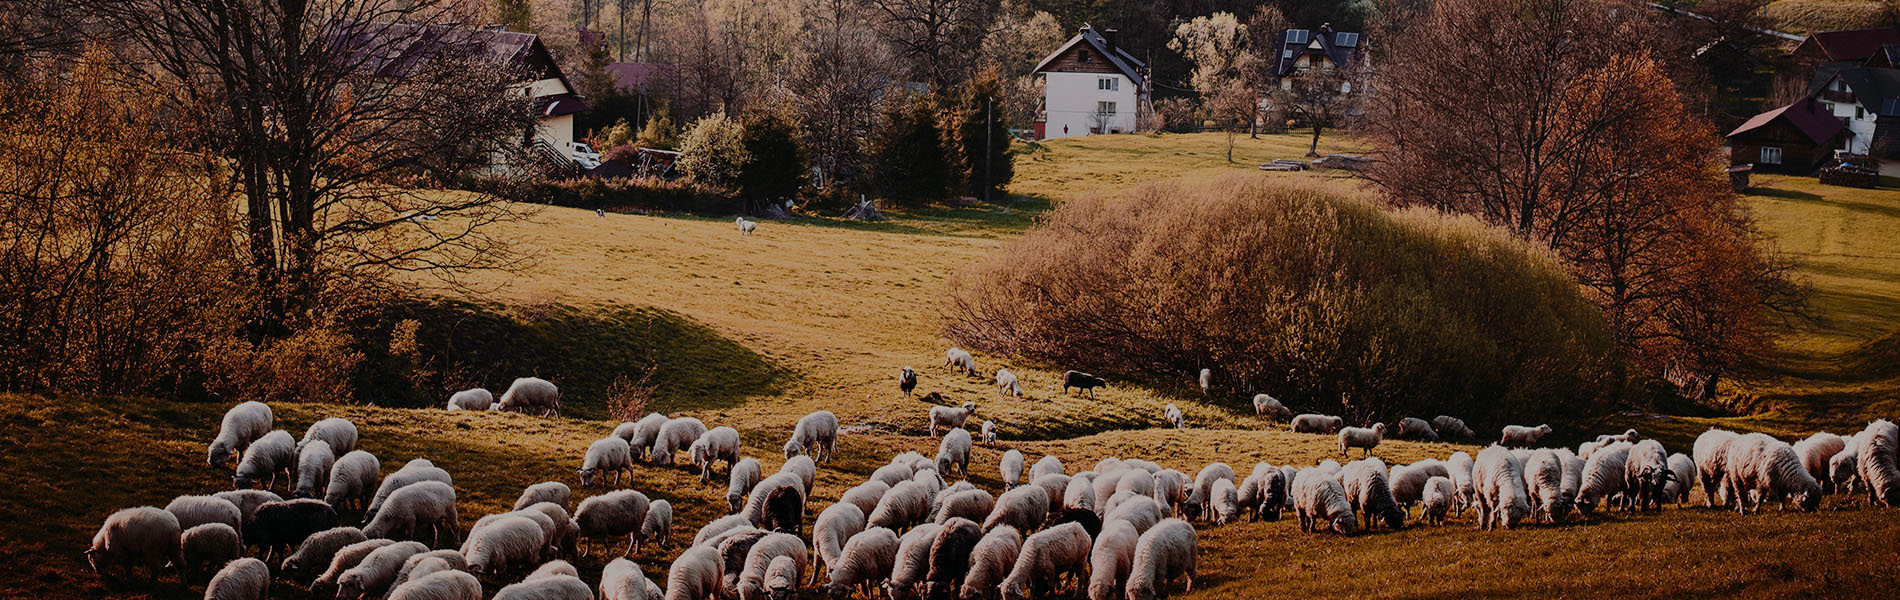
1856 45
1798 138
1090 85
1302 51
1867 100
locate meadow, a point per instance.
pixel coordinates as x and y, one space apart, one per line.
820 313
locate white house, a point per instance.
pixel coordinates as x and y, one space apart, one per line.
1090 85
1867 100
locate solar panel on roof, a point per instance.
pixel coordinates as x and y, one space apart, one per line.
1890 107
1346 40
1296 36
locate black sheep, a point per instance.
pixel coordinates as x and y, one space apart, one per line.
907 380
950 558
285 524
1090 522
1081 381
785 510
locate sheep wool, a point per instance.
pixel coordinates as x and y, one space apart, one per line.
695 575
429 503
717 444
1438 498
552 568
241 579
371 577
440 585
1544 475
1368 490
953 453
959 360
835 526
720 526
242 425
1320 502
816 434
274 453
740 480
1007 384
913 561
643 434
345 559
338 432
1711 459
1519 436
1011 468
352 480
192 511
1312 423
558 587
422 564
471 399
658 526
1645 473
950 555
866 495
1046 559
530 394
950 417
1023 508
319 549
676 435
209 545
973 504
1816 452
314 462
1879 462
1170 549
1173 417
869 557
1773 471
904 505
504 545
1502 500
546 491
1452 426
611 515
1363 438
1417 428
1141 511
1110 559
606 455
623 580
1682 469
1226 502
415 471
1266 406
1603 475
1461 465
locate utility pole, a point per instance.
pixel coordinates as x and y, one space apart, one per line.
987 103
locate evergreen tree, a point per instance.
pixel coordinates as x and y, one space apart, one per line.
984 139
516 15
908 161
776 168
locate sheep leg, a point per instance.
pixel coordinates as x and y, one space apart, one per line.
633 543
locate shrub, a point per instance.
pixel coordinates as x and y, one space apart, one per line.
1330 303
908 162
775 165
658 133
713 150
317 364
1177 115
642 193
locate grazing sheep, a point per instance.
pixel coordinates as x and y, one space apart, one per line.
1082 381
907 380
746 227
1519 436
991 561
757 506
421 564
1046 559
557 587
1167 550
1645 473
352 480
1604 475
1573 475
1312 423
1264 492
1266 406
782 577
279 526
1110 560
1171 414
471 399
1683 477
1023 508
242 579
785 510
1544 476
989 433
913 561
1627 436
439 585
274 453
318 550
606 455
611 515
868 559
549 530
1140 511
1711 459
546 491
695 575
567 533
805 468
1408 481
1461 465
658 526
371 577
643 434
1815 453
1012 469
339 432
1007 384
1452 426
959 360
623 580
760 557
1771 471
1369 492
816 434
414 472
740 480
1439 496
905 505
345 559
247 501
192 511
1226 502
717 444
1171 487
1136 482
207 547
243 424
408 510
1197 500
314 462
530 394
953 453
732 555
975 505
1879 462
1047 465
834 528
721 526
866 495
1501 498
1416 428
675 435
1360 437
950 417
950 555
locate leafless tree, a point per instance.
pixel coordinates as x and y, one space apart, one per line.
1320 98
939 38
839 77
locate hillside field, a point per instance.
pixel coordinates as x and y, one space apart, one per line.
820 314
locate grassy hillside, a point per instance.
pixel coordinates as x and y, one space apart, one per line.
1802 16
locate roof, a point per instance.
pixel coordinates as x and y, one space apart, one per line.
1851 44
559 104
1117 56
1877 90
397 49
1819 127
637 77
1341 47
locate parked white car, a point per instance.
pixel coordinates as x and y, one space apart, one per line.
583 154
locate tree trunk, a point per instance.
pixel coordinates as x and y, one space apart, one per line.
1313 150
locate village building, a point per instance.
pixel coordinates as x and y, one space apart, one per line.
1797 138
1090 85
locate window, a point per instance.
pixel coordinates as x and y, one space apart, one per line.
1108 84
1288 53
1105 108
1770 155
1860 113
1296 36
1082 56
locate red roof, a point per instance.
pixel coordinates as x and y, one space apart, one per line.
1818 126
1851 44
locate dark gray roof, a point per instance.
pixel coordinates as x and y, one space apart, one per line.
1123 61
1877 90
1342 47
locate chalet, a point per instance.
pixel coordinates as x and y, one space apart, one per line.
1851 45
1302 51
1868 101
1798 138
1090 85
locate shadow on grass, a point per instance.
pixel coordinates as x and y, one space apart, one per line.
984 220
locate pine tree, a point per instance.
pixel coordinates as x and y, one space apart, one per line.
776 169
984 139
909 163
516 15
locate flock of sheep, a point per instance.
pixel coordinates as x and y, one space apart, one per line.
1118 530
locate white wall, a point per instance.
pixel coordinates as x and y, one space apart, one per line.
547 87
1860 131
1071 99
556 131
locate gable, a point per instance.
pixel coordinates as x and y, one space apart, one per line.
1079 58
1088 52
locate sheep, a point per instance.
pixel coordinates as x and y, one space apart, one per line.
532 393
751 582
1263 492
1415 427
1683 477
1007 384
371 577
1770 470
950 555
206 547
833 529
504 545
907 380
429 503
1169 549
1136 482
1046 558
816 434
1711 459
1572 483
717 444
557 587
314 462
546 491
1461 466
1206 380
988 435
1438 499
274 453
953 453
1226 502
867 561
1110 559
1140 511
695 575
1360 437
565 538
345 559
280 526
242 424
414 472
192 511
422 564
1408 481
439 585
1518 436
471 399
1879 463
1011 468
804 468
1452 426
1197 500
865 495
912 563
1048 464
950 417
610 515
1287 474
641 436
241 579
606 455
1023 508
1815 453
1645 472
975 505
1502 499
746 227
247 501
1171 414
1843 469
1171 487
1082 381
784 509
1603 475
959 360
675 435
623 580
904 505
1630 436
1312 423
340 433
1368 491
720 526
352 480
893 473
317 551
1544 477
782 576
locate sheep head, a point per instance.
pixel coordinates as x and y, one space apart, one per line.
793 448
587 476
1345 524
1393 517
218 454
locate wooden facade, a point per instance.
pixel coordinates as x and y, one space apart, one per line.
1800 155
1080 58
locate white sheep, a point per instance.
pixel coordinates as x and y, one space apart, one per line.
422 564
675 435
642 435
339 432
1197 500
1519 436
611 515
314 462
471 399
717 444
1110 560
558 587
1502 499
868 559
833 529
959 360
953 453
1171 487
804 468
530 394
1683 469
1007 384
973 504
1574 466
904 505
319 549
206 546
746 227
1645 473
1023 508
1046 559
740 480
247 501
1544 476
913 561
1879 462
352 480
1141 511
1165 551
274 453
623 580
1461 465
428 503
760 506
1171 415
242 425
439 585
815 434
1011 468
697 574
553 568
415 471
950 417
1225 501
1772 471
1816 451
658 526
345 559
893 473
371 577
1207 381
1603 475
752 580
1843 470
989 433
606 455
782 577
1266 406
1361 437
720 527
566 535
1136 482
1408 481
546 491
1312 423
1711 459
192 511
990 562
241 579
1438 499
1048 464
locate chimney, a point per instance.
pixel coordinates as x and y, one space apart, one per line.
1113 37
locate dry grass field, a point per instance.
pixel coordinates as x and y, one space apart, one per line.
824 312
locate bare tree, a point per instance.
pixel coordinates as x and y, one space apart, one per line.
1320 98
940 38
839 76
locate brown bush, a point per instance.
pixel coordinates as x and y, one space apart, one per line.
1327 302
